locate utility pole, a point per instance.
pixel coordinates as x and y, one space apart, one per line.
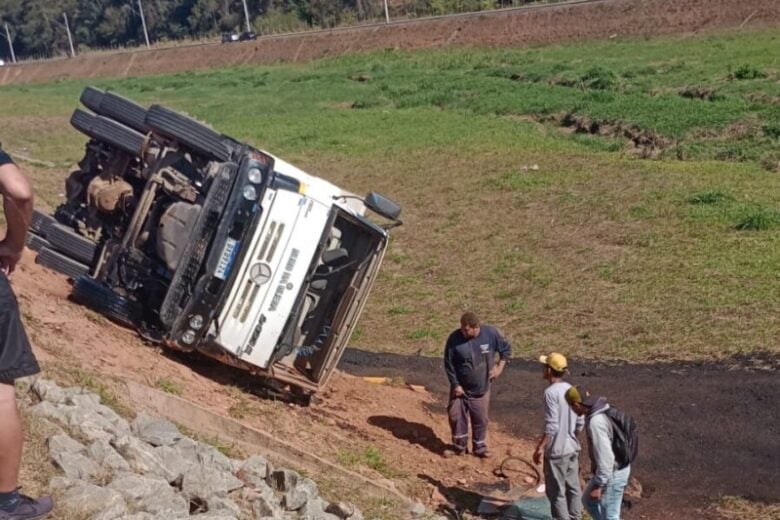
10 43
70 38
143 22
246 16
387 13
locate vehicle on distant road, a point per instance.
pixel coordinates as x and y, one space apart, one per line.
236 37
203 243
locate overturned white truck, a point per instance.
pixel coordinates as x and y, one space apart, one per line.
203 243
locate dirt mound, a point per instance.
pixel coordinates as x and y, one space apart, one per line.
521 26
642 142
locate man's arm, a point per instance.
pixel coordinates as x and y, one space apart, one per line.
603 456
551 420
579 425
18 208
449 367
504 350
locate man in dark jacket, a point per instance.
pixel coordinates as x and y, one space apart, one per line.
469 360
16 356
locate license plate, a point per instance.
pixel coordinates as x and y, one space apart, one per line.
226 259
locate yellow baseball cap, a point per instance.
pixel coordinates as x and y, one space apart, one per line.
555 361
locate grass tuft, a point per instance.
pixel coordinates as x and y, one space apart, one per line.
399 310
170 386
747 72
423 333
599 78
369 457
758 218
709 197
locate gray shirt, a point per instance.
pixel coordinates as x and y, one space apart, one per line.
561 424
602 458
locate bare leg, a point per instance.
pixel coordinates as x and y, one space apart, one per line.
11 439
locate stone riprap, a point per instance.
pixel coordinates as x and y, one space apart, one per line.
147 469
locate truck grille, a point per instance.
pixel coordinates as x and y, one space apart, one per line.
250 290
192 257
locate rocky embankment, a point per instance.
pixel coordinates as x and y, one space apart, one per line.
147 469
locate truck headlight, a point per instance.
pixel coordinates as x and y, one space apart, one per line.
250 193
196 322
188 337
255 175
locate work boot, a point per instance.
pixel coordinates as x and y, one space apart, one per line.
454 451
29 508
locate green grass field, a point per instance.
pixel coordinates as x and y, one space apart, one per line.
524 194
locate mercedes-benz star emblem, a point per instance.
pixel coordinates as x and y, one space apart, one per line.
260 273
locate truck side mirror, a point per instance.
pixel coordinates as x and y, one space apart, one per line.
382 206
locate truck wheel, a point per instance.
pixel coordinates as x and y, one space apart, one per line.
91 98
123 110
61 263
187 131
67 241
36 242
93 294
40 222
118 135
82 121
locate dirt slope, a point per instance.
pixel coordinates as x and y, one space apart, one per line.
407 428
543 24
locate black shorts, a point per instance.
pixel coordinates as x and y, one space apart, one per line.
16 356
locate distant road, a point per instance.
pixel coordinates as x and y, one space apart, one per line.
566 21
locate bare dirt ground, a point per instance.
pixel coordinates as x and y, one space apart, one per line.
707 431
537 25
407 428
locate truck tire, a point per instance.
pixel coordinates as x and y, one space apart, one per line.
91 98
67 241
36 242
93 294
118 135
40 222
62 264
187 131
82 121
123 110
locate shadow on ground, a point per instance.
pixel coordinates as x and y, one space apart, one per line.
459 500
415 433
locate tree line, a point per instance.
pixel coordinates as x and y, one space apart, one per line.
37 27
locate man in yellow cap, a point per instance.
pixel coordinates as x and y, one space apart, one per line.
559 445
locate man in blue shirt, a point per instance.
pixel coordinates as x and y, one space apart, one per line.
469 361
